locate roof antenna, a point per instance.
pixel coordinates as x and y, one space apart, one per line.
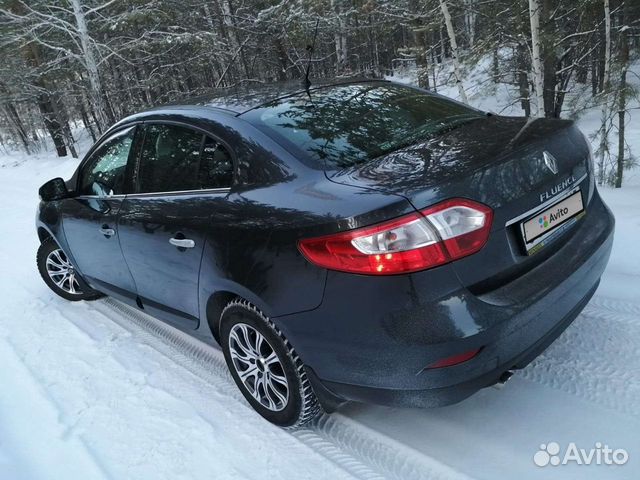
310 48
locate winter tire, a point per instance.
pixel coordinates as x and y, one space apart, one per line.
60 275
265 366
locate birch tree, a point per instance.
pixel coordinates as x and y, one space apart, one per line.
622 92
604 129
88 59
454 51
470 16
340 37
536 57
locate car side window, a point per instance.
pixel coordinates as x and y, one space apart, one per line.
170 159
104 172
177 159
216 165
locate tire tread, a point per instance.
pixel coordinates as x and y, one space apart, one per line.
50 243
310 406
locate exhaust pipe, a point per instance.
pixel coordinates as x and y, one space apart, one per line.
504 378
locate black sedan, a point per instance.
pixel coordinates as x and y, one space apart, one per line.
357 240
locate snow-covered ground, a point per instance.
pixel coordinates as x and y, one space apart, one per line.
96 390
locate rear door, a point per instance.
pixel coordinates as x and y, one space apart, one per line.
89 219
183 177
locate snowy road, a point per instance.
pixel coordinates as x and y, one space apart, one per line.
97 390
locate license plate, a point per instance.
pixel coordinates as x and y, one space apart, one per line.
544 224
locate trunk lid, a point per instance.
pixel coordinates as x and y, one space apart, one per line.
499 161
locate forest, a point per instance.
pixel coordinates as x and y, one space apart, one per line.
72 65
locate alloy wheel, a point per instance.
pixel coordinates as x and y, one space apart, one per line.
62 273
258 367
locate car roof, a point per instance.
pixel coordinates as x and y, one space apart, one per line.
241 98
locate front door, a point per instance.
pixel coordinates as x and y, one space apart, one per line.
90 219
163 226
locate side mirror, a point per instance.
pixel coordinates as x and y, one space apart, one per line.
54 189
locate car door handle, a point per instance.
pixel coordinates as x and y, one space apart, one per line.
182 242
107 232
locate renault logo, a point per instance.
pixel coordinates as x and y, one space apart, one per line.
550 161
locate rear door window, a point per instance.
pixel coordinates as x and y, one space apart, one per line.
176 158
216 165
169 159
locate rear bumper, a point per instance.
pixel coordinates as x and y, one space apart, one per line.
372 337
440 396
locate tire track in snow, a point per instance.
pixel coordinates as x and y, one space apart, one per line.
399 460
357 449
606 315
596 358
615 306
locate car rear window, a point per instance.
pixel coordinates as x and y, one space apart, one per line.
344 125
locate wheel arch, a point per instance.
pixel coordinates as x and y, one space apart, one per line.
43 234
215 304
222 296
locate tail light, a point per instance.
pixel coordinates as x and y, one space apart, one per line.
440 234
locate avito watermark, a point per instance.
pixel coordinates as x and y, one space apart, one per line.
601 454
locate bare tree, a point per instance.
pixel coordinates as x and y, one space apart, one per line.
88 59
622 91
340 37
454 51
470 16
604 130
536 60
